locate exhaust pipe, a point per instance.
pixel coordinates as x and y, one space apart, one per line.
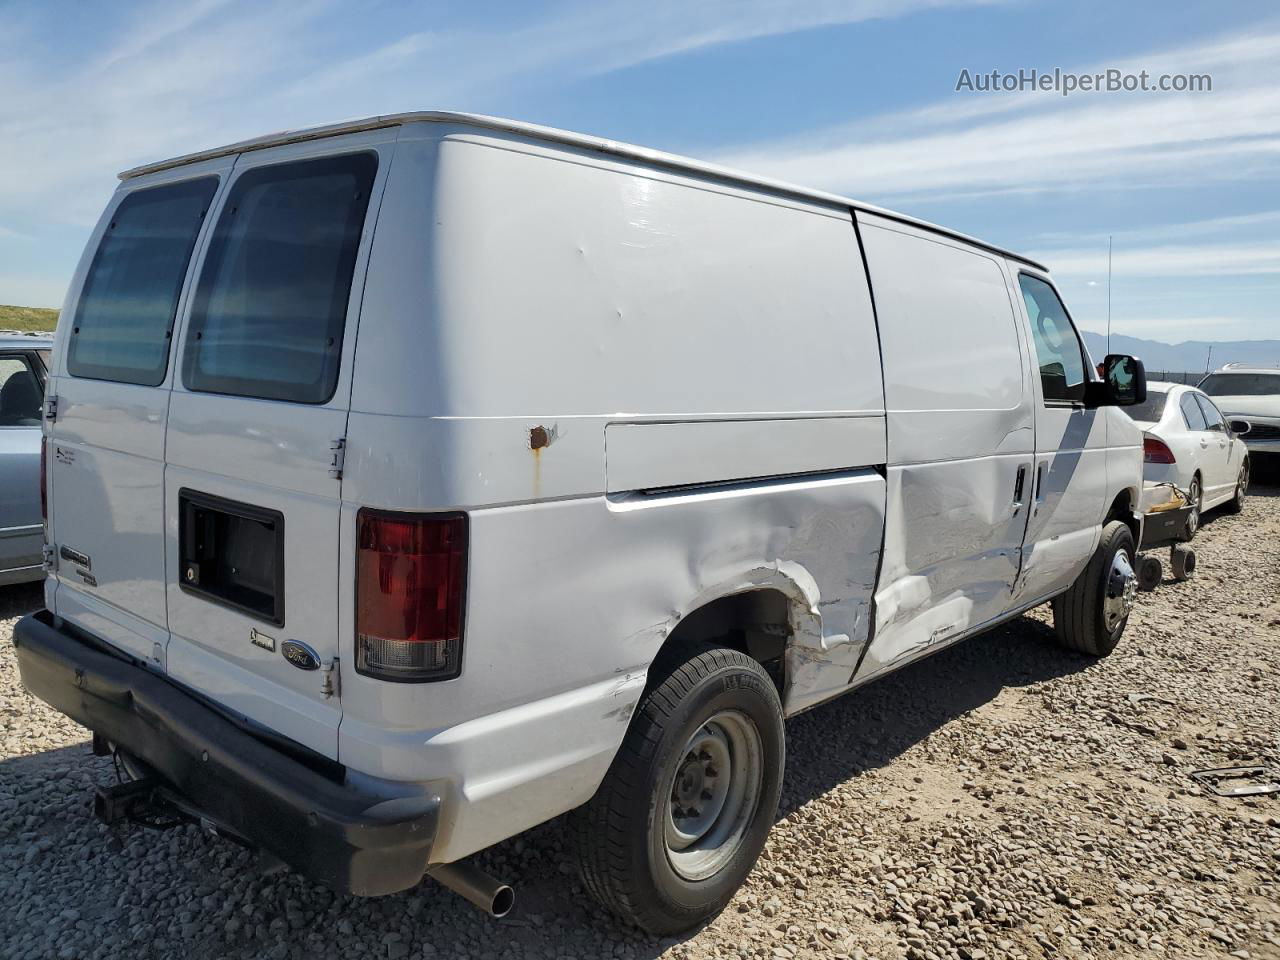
469 881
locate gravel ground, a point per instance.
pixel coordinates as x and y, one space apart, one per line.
1002 799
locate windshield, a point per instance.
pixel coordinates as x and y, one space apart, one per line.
1151 409
1241 384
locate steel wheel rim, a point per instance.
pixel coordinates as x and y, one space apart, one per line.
1122 590
712 794
1193 518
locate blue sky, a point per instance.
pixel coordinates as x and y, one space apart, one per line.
857 97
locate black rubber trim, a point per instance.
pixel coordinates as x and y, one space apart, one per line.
351 842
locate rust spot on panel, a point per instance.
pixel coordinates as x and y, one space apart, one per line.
540 437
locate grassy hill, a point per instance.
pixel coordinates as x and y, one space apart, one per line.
27 318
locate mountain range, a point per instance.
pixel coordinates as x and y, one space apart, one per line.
1190 356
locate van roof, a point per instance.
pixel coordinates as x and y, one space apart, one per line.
535 131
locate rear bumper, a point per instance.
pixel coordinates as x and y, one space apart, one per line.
351 841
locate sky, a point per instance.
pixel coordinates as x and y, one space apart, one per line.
858 97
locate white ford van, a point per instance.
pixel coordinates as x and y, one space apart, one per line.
413 481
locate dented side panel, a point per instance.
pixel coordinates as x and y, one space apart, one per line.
570 601
961 440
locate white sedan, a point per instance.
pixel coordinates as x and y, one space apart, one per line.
1188 442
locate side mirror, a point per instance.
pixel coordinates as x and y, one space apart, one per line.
1124 381
1240 427
1123 384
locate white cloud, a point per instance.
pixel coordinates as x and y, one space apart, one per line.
172 79
1166 260
974 144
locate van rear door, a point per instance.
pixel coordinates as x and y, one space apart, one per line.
257 418
110 391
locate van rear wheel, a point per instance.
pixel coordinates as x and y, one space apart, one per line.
689 800
1091 615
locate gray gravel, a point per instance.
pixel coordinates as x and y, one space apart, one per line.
1001 799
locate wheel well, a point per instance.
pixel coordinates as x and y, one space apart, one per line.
755 623
1122 510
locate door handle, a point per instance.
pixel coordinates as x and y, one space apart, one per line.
1019 486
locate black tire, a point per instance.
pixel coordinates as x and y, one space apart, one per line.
1196 517
621 834
1182 560
1236 503
1150 573
1079 615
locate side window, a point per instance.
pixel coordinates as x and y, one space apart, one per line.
1058 348
125 316
271 307
20 392
1211 415
1192 413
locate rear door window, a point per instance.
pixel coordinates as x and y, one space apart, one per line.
1211 415
124 320
1191 413
271 307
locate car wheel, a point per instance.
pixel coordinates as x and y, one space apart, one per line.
1091 615
689 800
1236 503
1196 495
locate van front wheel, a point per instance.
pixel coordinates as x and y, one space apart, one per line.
685 808
1091 615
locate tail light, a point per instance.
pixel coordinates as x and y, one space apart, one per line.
411 578
44 479
1156 451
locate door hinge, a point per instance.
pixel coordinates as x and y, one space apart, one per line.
338 451
50 557
51 408
330 679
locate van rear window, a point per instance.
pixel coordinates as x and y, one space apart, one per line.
271 306
125 316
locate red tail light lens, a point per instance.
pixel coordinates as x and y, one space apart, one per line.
1156 451
44 479
411 578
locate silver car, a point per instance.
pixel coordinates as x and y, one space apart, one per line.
1249 394
23 365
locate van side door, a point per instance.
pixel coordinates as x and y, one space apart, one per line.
959 410
1070 482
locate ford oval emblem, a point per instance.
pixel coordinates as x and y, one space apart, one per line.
300 655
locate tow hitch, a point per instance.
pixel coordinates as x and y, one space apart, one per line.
142 802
